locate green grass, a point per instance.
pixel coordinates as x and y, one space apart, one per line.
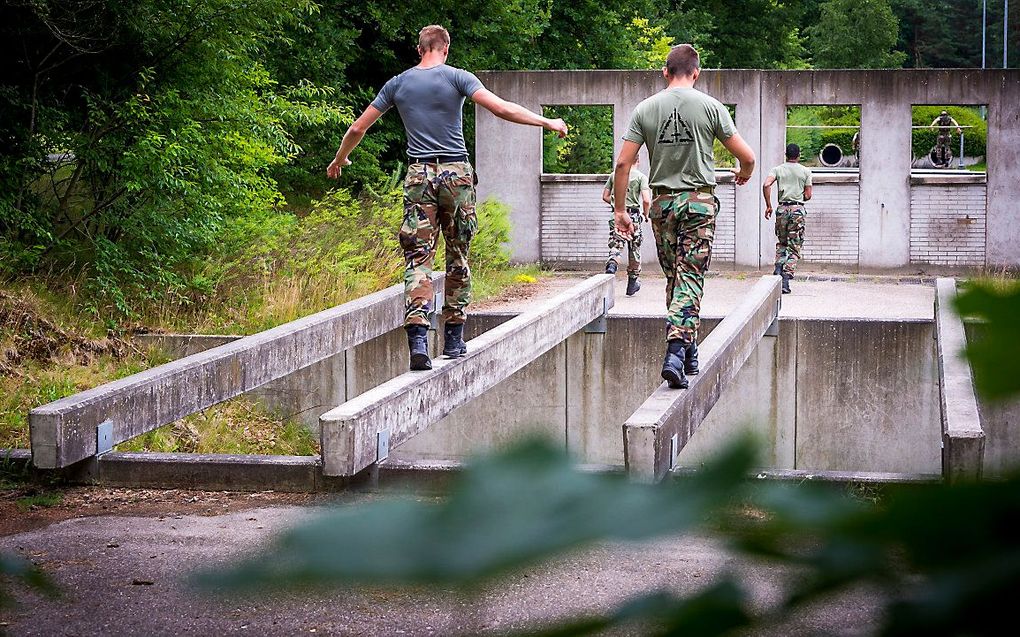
50 499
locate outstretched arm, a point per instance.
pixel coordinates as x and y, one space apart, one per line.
766 191
736 145
515 113
351 139
624 162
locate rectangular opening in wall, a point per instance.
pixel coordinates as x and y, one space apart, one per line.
828 136
588 149
724 158
948 138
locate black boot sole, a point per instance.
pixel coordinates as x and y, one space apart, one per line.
456 353
420 362
692 372
674 379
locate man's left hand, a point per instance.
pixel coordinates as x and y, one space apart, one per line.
624 224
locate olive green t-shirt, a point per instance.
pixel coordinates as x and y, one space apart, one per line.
678 126
635 186
792 179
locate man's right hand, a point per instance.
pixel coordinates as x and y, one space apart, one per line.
558 126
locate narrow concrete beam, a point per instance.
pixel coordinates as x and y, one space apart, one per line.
64 432
963 439
213 472
661 426
406 405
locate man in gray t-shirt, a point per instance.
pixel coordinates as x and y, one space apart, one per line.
439 189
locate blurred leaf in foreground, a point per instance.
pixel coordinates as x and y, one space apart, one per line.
18 569
995 355
503 512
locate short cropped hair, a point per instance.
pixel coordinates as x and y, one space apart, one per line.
683 60
433 37
792 151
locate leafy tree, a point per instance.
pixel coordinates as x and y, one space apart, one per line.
140 129
855 34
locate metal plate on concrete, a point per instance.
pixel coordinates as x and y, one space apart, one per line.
382 446
104 437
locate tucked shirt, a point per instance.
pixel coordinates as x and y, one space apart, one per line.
431 105
679 126
792 178
637 183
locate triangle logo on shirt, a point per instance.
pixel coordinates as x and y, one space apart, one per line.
675 130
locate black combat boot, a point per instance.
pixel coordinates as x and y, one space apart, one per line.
610 267
633 285
418 344
691 359
453 340
673 365
786 283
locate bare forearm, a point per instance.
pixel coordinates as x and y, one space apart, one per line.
513 112
766 192
350 141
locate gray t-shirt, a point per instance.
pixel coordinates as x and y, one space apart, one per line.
430 102
792 179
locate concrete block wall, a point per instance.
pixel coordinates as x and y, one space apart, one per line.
947 224
574 226
761 99
832 227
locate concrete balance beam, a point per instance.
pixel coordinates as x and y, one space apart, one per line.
963 439
359 433
663 424
80 426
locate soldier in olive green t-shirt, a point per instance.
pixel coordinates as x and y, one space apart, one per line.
794 182
678 126
638 201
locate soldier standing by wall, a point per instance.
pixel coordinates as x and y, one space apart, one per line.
638 201
678 126
439 189
794 189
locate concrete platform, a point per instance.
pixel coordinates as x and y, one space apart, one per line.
849 296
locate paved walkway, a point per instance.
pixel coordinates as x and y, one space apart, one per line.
126 576
847 296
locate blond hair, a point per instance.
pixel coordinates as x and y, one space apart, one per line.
433 37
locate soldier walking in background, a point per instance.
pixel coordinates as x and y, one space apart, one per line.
942 149
678 126
638 201
439 189
794 189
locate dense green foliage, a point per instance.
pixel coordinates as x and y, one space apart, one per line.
855 34
140 137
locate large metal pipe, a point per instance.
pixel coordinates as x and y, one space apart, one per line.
831 155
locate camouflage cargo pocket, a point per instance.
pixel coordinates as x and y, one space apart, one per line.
415 183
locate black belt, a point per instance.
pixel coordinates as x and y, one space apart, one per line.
439 159
659 190
791 203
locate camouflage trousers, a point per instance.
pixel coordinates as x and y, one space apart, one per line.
633 245
789 236
683 224
437 197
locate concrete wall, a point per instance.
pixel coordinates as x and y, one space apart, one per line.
948 224
832 227
824 395
509 157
